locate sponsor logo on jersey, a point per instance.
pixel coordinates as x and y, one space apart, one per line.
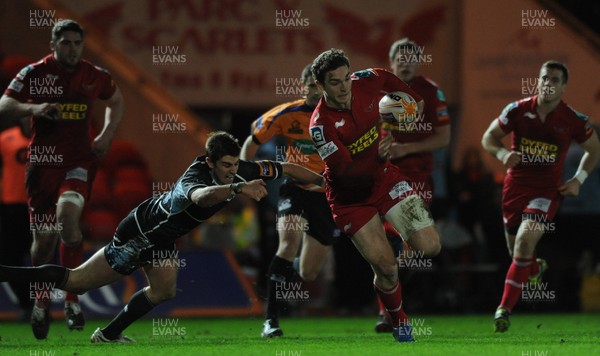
72 111
316 132
16 85
327 150
364 142
340 123
530 115
537 152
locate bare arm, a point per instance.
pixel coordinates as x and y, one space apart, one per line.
12 110
302 174
586 165
249 149
439 139
215 194
115 106
492 142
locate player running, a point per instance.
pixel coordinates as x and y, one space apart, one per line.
542 128
303 214
414 141
361 185
58 92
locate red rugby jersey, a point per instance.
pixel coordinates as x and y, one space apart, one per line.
435 114
543 145
348 140
69 137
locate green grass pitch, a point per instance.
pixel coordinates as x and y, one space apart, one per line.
529 335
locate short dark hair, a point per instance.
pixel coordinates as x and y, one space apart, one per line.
403 43
328 61
220 144
65 25
306 73
552 64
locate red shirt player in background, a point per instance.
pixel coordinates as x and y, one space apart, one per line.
362 186
58 92
415 141
542 128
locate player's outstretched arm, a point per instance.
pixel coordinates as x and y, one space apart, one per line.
302 174
208 196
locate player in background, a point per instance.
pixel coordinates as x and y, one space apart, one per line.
414 141
147 235
542 128
15 232
303 214
362 185
58 92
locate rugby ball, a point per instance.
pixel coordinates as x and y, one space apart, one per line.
397 106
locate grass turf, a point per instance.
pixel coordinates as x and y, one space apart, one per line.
529 335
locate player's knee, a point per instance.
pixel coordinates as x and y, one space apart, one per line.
163 294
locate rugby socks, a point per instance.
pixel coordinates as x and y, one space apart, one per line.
71 257
518 274
280 271
535 267
381 306
392 300
138 306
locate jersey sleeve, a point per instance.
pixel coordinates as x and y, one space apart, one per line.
195 177
583 129
440 109
333 152
267 125
506 120
18 88
107 84
267 170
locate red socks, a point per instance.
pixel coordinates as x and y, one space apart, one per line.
518 274
392 300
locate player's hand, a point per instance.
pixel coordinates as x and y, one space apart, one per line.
399 150
255 189
570 188
46 111
384 147
511 159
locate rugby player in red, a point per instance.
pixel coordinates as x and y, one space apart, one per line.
415 140
362 186
57 92
542 128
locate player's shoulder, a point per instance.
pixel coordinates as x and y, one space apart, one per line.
369 73
32 68
568 110
90 67
519 105
291 107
